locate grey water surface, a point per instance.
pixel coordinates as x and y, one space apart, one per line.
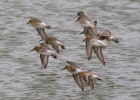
21 74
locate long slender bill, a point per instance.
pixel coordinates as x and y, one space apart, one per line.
32 50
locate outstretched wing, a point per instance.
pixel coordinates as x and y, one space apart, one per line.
98 52
88 50
91 32
44 45
88 80
44 60
55 48
106 33
105 41
42 33
52 38
78 80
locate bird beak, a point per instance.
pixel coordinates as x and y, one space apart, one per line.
32 50
28 22
81 33
84 40
76 20
62 68
95 23
100 79
40 40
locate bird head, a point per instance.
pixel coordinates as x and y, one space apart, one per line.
31 21
36 48
67 67
87 39
78 19
80 13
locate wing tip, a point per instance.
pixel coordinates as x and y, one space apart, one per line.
82 89
68 62
104 64
63 47
48 27
57 51
44 66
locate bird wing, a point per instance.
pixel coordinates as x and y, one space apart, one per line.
78 80
52 38
105 41
106 33
87 78
91 82
95 23
92 32
55 48
42 33
98 52
44 60
44 45
88 50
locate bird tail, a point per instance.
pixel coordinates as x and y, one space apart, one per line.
116 40
99 78
54 55
63 47
48 27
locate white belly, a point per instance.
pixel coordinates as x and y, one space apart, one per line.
58 43
40 25
86 24
95 43
47 52
77 71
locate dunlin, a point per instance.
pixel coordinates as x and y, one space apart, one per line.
44 52
85 22
97 45
39 25
90 31
107 35
88 77
55 43
80 75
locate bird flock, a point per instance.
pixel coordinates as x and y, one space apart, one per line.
93 41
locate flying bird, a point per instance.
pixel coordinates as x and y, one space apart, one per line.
44 52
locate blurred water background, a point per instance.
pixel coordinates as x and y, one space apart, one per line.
21 74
